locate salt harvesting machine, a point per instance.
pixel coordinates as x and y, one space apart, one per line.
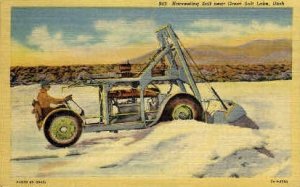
135 101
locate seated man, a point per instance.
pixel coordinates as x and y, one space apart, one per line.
45 100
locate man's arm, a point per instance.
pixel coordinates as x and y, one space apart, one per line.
59 101
45 100
53 100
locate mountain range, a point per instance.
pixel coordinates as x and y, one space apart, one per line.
254 52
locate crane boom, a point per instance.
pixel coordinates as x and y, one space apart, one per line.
166 35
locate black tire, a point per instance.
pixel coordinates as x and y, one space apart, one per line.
63 129
191 109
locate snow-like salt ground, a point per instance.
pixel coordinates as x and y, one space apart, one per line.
170 149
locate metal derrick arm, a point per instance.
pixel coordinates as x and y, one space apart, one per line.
166 33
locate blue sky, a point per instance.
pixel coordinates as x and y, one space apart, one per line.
73 22
100 32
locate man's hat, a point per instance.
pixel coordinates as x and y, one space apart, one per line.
45 83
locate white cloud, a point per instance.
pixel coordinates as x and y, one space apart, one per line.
41 38
116 33
121 32
220 28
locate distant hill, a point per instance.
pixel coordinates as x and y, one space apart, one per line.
254 52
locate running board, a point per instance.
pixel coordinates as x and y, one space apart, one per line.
95 127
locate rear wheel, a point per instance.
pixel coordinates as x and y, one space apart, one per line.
63 130
183 112
182 107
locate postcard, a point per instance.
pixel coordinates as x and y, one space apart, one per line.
161 93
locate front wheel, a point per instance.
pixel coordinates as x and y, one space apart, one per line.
63 130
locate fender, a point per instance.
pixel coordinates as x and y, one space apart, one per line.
60 110
166 101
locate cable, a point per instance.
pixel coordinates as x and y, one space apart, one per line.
212 90
195 64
